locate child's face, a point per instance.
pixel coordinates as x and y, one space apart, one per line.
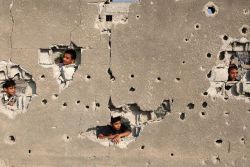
11 91
233 74
117 125
67 59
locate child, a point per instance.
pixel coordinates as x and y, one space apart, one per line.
64 71
115 131
10 100
232 73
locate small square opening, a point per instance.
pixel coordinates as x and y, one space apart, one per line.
109 18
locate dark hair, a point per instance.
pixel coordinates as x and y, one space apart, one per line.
72 52
115 119
9 83
231 67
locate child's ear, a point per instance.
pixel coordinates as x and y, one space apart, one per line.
4 89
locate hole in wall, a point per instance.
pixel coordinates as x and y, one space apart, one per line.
13 75
177 79
87 106
183 62
78 101
64 104
182 116
190 106
87 77
244 30
231 77
29 151
131 89
132 76
209 74
222 55
172 154
131 115
138 17
63 60
12 138
42 77
44 101
203 113
225 37
97 105
205 93
219 141
109 18
209 55
197 26
55 96
211 9
204 104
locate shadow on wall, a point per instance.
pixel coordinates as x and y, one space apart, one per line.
63 59
23 89
133 117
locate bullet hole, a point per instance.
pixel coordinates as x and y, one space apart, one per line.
209 55
158 79
204 104
12 138
244 30
142 147
55 96
44 101
42 76
182 116
211 10
205 93
197 26
78 102
226 113
183 62
190 106
177 79
109 18
138 17
203 113
243 140
97 105
209 74
65 104
222 55
219 141
172 154
132 76
249 110
132 89
87 106
29 151
66 138
88 77
225 37
186 40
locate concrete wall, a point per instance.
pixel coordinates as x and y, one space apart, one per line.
161 46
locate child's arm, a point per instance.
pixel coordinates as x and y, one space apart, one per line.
117 138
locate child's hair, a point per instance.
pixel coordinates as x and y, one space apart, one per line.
231 67
72 52
9 83
115 119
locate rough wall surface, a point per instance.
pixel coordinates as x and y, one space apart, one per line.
165 51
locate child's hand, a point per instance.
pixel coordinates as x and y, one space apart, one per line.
116 139
101 136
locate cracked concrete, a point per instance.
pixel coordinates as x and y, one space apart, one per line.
150 61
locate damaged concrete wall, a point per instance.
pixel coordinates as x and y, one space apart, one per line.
151 51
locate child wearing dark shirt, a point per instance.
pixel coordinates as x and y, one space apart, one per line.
115 131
